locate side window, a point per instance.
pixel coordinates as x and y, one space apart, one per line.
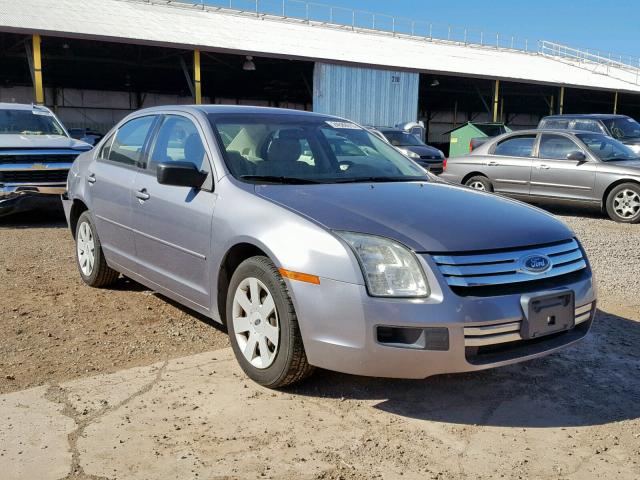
178 140
129 142
106 147
556 147
520 146
555 123
587 125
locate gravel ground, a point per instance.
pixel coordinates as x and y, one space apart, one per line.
572 415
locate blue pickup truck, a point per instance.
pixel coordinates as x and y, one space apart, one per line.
36 153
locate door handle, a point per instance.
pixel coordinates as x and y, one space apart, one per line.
142 195
91 178
493 164
544 167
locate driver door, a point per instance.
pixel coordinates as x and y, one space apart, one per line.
555 177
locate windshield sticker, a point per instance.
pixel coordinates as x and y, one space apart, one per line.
343 125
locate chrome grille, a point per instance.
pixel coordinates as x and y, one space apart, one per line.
496 333
499 268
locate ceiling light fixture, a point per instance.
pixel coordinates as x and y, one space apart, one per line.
249 65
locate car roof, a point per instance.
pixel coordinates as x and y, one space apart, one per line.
230 109
594 116
559 131
20 106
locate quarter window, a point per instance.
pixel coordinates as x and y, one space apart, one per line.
106 147
178 140
520 146
129 142
556 147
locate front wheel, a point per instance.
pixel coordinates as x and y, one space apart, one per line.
623 203
480 183
90 259
263 327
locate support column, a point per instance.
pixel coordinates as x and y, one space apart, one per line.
37 70
552 104
496 100
615 103
196 76
561 101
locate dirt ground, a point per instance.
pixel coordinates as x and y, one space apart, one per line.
572 415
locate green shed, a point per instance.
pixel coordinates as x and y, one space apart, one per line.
461 137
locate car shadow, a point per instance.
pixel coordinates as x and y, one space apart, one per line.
49 215
596 381
574 211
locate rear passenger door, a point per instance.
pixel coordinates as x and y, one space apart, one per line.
509 164
556 177
173 223
110 181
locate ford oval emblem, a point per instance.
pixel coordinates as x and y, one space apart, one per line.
536 264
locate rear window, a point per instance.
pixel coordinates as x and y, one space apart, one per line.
520 146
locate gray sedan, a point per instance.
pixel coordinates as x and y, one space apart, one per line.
555 166
318 244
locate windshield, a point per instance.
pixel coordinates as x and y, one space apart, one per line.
402 139
623 128
606 148
29 122
268 148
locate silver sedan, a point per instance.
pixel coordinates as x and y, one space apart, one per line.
555 167
318 244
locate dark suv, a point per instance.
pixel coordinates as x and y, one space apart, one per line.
428 157
622 128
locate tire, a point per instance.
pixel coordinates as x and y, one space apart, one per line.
90 260
255 326
623 203
481 183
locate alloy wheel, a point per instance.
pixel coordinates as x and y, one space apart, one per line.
255 322
626 203
478 186
86 249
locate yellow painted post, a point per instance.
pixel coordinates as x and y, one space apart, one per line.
496 100
615 104
37 70
196 76
561 100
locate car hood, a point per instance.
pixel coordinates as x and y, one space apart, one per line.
427 217
41 141
422 150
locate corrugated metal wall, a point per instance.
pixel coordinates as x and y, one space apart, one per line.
365 95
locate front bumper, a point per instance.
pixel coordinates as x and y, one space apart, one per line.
18 198
339 324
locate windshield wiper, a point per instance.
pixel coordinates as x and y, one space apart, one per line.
380 179
279 179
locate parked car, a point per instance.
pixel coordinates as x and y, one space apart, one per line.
345 262
556 166
430 158
622 128
86 135
36 153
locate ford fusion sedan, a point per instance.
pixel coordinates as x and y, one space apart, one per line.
312 258
556 167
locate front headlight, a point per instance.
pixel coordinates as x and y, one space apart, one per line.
635 148
389 268
409 153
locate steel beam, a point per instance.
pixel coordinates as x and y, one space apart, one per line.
496 100
37 70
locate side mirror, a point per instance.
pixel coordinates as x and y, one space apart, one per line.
180 174
577 156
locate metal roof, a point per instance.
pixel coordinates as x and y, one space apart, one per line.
166 24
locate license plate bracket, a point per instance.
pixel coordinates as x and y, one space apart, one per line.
547 313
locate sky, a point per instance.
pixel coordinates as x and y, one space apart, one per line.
605 25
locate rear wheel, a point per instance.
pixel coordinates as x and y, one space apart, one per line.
623 203
480 183
91 263
263 327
